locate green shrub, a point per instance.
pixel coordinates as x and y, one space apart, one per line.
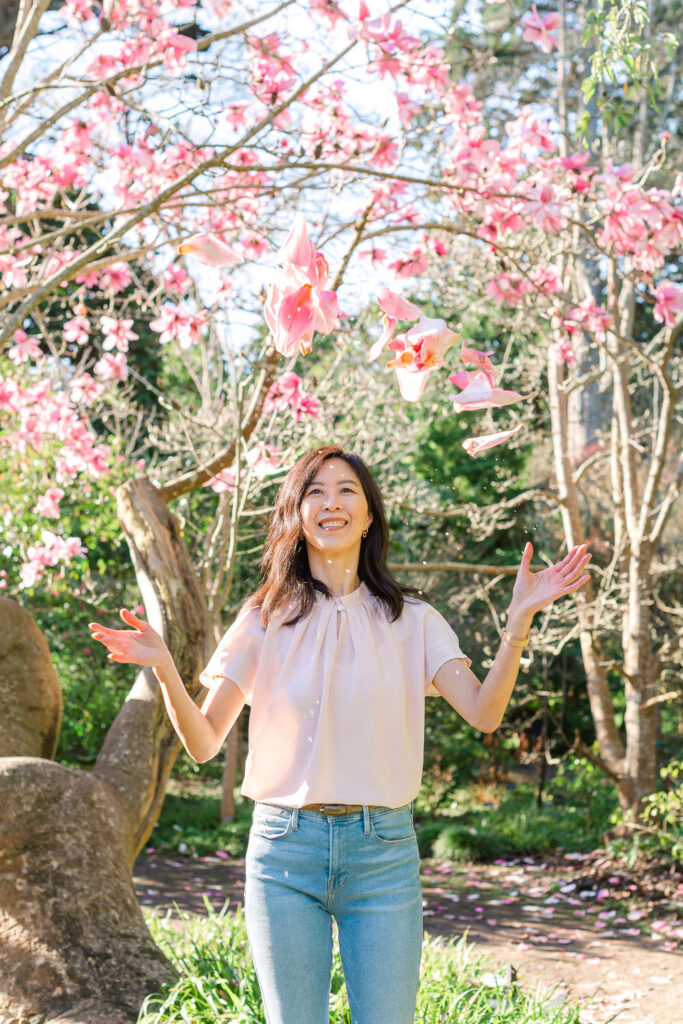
658 832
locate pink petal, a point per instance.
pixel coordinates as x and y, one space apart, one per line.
318 271
411 383
210 250
388 328
295 318
396 306
297 248
328 312
460 379
475 445
473 357
479 394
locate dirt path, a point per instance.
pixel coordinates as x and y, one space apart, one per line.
611 942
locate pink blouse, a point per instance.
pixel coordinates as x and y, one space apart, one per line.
337 700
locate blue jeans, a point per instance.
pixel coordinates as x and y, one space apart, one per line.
304 868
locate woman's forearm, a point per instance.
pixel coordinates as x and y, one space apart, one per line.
495 691
196 733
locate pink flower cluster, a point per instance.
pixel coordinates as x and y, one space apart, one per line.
287 393
48 554
178 323
38 418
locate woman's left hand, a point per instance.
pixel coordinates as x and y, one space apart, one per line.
535 590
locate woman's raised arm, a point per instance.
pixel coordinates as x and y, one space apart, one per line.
483 704
201 731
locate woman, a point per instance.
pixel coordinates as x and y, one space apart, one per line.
335 659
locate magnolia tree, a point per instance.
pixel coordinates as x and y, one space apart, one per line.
211 184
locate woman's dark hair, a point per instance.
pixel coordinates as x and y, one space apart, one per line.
287 575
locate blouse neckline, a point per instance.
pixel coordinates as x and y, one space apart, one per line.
358 596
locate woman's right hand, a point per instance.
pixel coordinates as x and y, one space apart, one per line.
140 645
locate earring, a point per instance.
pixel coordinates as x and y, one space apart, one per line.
365 532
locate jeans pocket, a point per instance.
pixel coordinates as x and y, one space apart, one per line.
393 827
270 824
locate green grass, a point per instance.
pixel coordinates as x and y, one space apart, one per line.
217 983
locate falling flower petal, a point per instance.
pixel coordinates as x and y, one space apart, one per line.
475 445
479 394
473 357
388 328
210 250
396 306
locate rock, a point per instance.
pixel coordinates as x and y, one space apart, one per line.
71 930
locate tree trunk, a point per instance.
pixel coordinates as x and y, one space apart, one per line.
641 669
232 746
141 745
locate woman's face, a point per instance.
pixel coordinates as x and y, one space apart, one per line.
334 510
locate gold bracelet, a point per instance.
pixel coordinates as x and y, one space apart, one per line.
515 641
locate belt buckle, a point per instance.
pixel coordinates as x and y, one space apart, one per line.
333 808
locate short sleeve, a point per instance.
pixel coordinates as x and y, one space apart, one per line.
237 655
441 645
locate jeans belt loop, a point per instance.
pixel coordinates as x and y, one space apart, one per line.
295 819
366 820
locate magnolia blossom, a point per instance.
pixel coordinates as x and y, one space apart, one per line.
112 367
590 317
287 392
48 504
297 305
475 445
407 266
117 333
50 552
178 323
668 302
564 354
539 29
210 250
77 330
25 347
420 351
85 389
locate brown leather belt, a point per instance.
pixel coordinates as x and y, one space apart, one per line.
338 808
